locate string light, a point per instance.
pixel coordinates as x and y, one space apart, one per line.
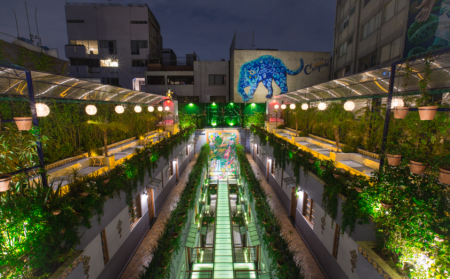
322 106
91 109
292 106
305 106
397 103
119 109
160 108
42 110
349 106
283 106
151 109
137 109
166 108
276 106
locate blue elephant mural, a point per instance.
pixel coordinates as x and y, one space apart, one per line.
264 69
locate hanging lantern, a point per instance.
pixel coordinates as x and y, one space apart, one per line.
397 103
91 109
283 106
160 108
137 109
276 106
349 106
305 106
292 106
151 109
322 106
166 108
42 110
119 109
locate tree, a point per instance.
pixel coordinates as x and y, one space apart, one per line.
105 126
149 118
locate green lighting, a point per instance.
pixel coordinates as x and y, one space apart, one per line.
253 104
191 104
214 123
231 124
213 104
231 104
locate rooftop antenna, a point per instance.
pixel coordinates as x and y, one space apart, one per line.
17 26
29 29
37 27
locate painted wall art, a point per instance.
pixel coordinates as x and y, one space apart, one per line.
223 160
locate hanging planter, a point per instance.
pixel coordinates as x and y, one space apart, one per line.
394 160
5 179
84 194
417 167
323 168
312 161
400 112
444 175
105 181
56 212
359 190
427 113
386 205
23 123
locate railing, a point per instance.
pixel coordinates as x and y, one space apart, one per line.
245 254
246 274
206 274
201 255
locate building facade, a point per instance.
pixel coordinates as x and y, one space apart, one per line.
368 34
112 43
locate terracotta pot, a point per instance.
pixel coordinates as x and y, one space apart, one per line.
4 182
105 181
394 160
444 175
23 123
427 113
336 175
439 239
312 161
401 112
56 212
417 167
359 190
387 206
174 235
84 194
300 154
322 167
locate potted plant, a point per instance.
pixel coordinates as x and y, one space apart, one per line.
426 110
5 179
393 154
24 120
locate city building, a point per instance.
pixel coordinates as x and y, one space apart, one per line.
112 43
169 57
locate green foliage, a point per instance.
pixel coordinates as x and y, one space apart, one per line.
186 119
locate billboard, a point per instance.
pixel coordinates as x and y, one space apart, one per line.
259 75
428 26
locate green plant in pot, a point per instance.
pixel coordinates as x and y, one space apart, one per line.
23 119
427 111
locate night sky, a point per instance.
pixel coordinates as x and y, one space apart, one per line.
204 26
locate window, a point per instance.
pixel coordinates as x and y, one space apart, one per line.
343 49
367 61
137 45
337 234
366 2
109 63
110 45
187 151
104 247
371 26
308 208
139 63
273 168
350 40
110 81
257 150
218 99
389 10
85 62
138 22
136 204
352 11
91 46
75 21
217 79
180 80
391 50
188 99
155 80
170 169
345 23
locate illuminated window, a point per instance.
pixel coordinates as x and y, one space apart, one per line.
109 63
308 208
91 46
136 204
180 80
104 247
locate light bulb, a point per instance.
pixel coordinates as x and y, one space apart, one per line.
349 106
137 109
119 109
397 103
305 106
160 108
166 108
42 110
276 106
283 106
151 109
292 106
322 106
91 109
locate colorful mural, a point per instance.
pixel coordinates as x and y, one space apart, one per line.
222 154
264 69
428 26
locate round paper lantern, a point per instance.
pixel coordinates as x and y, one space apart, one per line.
283 106
160 108
91 109
292 106
137 109
397 103
42 110
322 106
349 106
276 106
119 109
304 106
166 108
151 109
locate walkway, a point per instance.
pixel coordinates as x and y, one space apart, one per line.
309 265
142 255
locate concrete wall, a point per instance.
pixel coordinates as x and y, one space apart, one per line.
291 60
202 88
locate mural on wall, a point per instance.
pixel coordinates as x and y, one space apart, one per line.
264 69
222 154
428 26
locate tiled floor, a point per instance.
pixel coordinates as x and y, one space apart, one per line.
310 267
142 255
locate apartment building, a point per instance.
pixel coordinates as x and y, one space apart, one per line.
112 43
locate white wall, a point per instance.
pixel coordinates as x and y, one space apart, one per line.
202 88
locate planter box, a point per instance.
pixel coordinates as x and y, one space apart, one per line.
370 266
